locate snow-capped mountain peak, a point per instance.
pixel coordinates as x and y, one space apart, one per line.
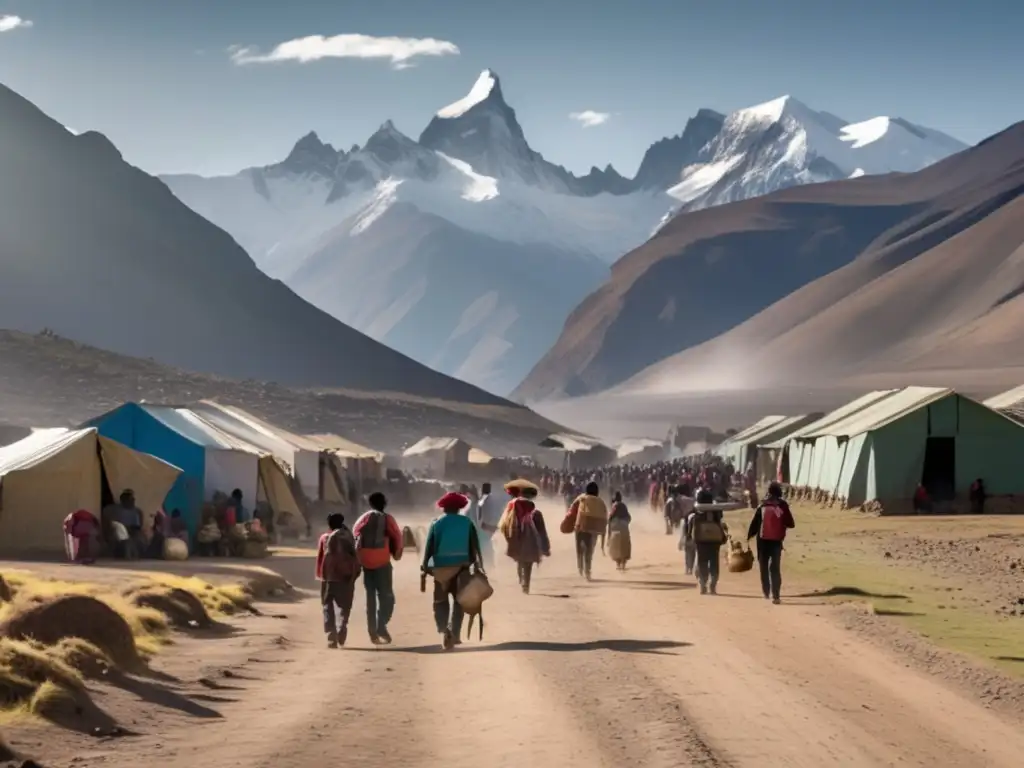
486 87
470 208
784 142
310 155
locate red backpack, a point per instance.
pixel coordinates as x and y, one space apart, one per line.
340 561
773 521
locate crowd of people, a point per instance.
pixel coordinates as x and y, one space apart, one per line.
458 547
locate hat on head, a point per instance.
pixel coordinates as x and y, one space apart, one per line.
520 484
452 501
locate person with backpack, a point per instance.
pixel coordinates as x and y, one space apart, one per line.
378 542
337 568
709 534
769 524
452 546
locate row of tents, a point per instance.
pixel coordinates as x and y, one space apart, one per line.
882 446
174 458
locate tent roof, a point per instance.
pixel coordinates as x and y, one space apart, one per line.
816 427
428 444
191 425
38 447
882 411
341 446
570 442
781 430
637 445
758 426
1009 403
250 429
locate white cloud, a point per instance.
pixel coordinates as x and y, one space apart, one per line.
588 118
8 23
400 51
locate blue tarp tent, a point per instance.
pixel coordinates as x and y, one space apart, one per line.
209 459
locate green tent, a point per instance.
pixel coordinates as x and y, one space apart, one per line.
882 445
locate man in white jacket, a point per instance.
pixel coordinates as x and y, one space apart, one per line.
490 510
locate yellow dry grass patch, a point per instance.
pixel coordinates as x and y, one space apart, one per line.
37 679
219 600
149 626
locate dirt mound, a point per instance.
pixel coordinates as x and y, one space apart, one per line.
79 616
181 607
83 657
5 591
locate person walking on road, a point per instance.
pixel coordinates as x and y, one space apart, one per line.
452 546
771 520
709 534
378 542
337 568
620 544
526 535
591 521
686 543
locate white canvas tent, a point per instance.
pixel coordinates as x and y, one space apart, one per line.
52 473
433 455
300 457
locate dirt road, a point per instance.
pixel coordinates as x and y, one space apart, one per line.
631 669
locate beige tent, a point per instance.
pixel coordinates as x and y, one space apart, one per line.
52 473
432 456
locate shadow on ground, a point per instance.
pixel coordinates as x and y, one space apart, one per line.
639 584
654 647
894 612
851 592
1015 659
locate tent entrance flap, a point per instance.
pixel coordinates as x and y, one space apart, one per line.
939 474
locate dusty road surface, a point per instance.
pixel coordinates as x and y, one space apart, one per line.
632 669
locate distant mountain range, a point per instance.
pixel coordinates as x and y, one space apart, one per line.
102 253
467 250
894 275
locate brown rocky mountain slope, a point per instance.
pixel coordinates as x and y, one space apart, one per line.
906 270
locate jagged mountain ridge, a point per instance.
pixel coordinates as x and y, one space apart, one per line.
96 250
322 210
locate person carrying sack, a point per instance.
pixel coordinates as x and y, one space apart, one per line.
452 547
591 516
772 519
709 534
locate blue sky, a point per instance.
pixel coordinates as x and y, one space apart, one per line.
157 78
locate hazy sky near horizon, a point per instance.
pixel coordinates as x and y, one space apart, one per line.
183 86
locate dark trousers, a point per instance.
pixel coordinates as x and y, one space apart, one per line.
769 558
340 594
708 562
380 598
448 614
585 544
525 572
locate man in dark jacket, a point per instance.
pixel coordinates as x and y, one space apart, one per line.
770 522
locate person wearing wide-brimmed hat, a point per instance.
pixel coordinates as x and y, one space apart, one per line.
452 546
525 534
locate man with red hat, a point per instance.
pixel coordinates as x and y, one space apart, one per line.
452 546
